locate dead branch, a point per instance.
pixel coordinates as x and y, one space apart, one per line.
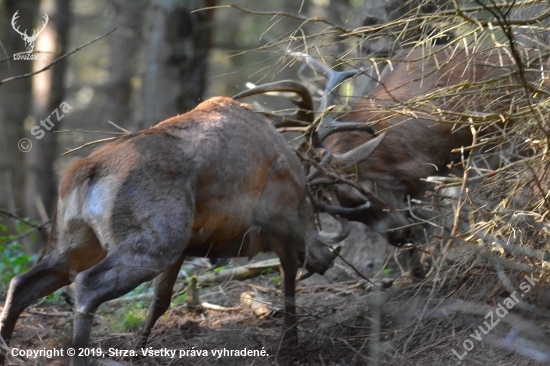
207 305
17 77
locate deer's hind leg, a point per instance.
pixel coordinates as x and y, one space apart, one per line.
164 284
50 274
136 258
47 276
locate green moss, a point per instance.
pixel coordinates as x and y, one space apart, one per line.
179 300
131 320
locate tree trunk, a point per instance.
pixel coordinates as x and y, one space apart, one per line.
175 58
123 47
15 99
48 95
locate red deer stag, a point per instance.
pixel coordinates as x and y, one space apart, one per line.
218 181
389 149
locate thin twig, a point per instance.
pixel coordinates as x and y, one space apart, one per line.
89 144
26 222
12 78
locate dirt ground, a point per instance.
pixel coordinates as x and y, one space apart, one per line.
343 320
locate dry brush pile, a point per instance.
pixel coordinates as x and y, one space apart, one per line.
486 224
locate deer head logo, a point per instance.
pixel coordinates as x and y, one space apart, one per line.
29 40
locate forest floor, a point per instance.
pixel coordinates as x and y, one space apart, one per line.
340 323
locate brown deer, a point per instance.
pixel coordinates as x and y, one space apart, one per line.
406 128
218 181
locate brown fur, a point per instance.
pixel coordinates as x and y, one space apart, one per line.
218 181
75 175
415 148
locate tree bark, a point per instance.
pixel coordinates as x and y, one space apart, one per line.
175 58
123 53
48 94
15 100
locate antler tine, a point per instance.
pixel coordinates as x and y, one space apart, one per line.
328 125
46 18
335 127
317 66
35 32
15 26
334 77
339 210
305 103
